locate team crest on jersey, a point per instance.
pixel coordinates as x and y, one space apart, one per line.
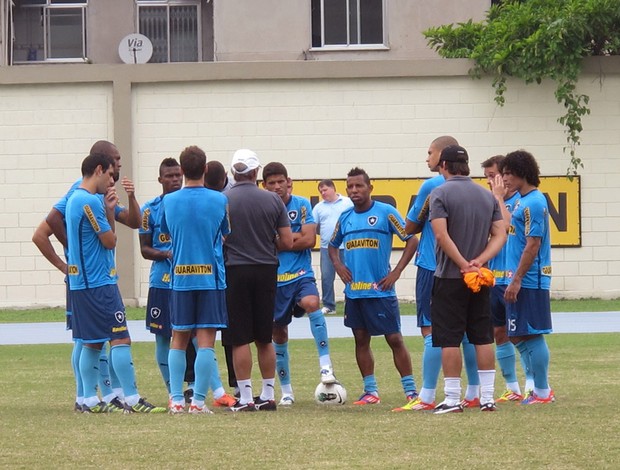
372 220
120 316
155 312
292 215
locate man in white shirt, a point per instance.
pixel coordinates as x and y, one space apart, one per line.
326 214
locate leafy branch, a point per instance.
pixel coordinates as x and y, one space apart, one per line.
535 40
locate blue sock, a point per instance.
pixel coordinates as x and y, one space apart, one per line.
507 360
89 371
409 387
215 382
319 332
282 363
539 360
431 364
162 348
526 364
105 385
177 364
123 367
370 385
204 368
471 362
75 362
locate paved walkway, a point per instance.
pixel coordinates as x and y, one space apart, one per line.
55 333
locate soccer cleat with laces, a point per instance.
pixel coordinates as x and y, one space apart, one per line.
368 399
225 401
264 405
287 400
327 375
77 407
100 407
199 410
509 395
416 404
444 408
144 406
473 403
115 406
533 399
490 406
176 408
238 407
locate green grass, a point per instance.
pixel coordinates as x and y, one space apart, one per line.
40 430
407 308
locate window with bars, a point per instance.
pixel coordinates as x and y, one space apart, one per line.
173 28
347 23
49 30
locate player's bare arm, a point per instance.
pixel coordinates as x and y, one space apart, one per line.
342 271
56 223
131 216
532 246
411 245
284 239
148 252
497 239
41 239
412 228
305 238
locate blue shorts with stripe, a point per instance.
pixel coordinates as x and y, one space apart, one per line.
530 314
423 293
198 309
498 305
377 315
287 297
98 314
158 312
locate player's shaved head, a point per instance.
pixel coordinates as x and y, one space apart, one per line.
444 141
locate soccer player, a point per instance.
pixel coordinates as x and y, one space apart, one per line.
197 220
98 310
261 227
417 222
504 349
469 230
371 306
297 292
528 265
326 215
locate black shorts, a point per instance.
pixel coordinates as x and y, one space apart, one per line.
456 310
250 298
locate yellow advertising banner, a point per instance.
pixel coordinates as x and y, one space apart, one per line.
563 197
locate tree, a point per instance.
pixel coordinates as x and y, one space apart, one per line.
535 40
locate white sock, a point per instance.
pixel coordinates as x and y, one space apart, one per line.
218 392
514 386
452 390
287 389
487 385
268 392
245 387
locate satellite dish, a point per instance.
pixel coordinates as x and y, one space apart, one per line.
135 49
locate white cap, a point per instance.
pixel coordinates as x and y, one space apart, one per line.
244 161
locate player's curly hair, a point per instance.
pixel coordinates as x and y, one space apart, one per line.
167 163
523 165
357 171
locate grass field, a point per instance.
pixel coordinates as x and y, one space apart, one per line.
40 430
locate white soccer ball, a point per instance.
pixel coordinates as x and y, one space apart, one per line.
330 394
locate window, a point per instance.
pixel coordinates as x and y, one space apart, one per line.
174 29
49 30
347 23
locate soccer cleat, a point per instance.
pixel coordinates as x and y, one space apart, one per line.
100 407
199 410
77 407
115 406
225 401
176 408
444 408
328 311
490 406
416 404
287 400
552 395
533 399
238 406
509 395
327 375
473 403
188 395
264 405
144 406
367 399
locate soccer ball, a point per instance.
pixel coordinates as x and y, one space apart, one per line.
330 394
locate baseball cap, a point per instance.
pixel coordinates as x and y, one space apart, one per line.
244 161
454 153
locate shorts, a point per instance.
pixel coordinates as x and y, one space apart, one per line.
198 309
250 298
288 296
423 291
498 305
456 310
530 314
98 314
68 309
158 312
377 315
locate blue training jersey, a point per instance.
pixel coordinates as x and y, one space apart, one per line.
498 263
530 218
197 220
367 238
61 205
90 264
152 213
295 265
425 254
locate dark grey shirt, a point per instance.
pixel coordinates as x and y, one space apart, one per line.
255 216
470 210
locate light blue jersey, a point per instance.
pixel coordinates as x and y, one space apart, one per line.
151 225
498 263
425 254
90 263
367 238
530 218
197 220
61 205
296 265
